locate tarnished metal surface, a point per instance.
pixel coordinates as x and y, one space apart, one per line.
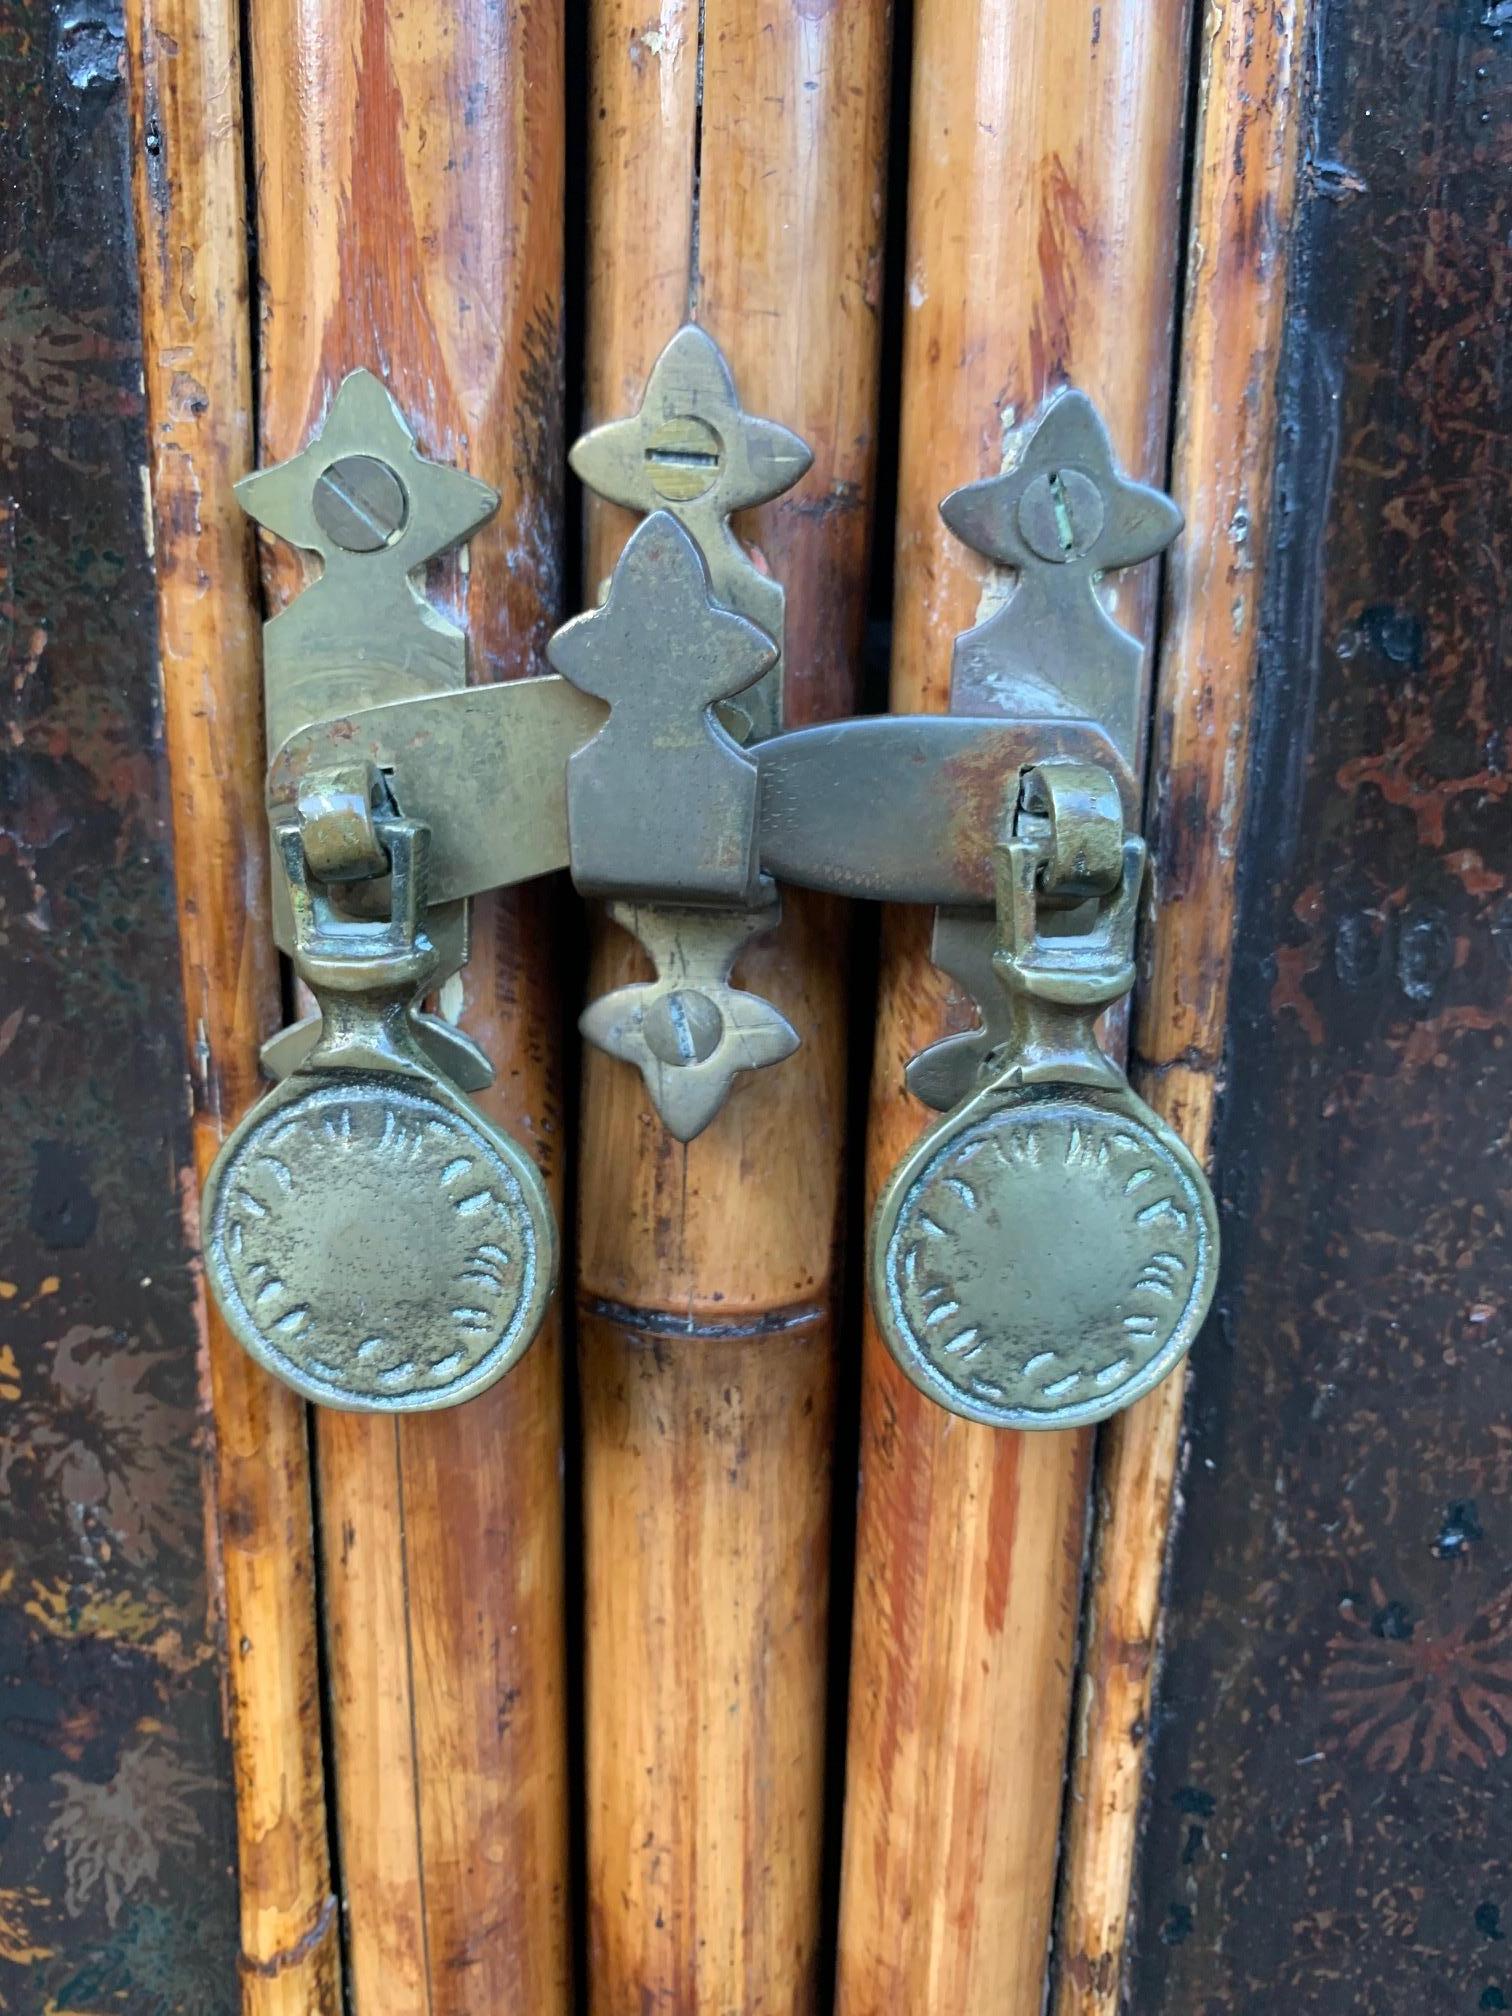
661 802
369 1237
1020 1276
1045 1254
668 813
117 1845
964 947
362 496
485 770
362 633
1073 815
693 450
690 1031
893 807
337 826
1061 514
903 808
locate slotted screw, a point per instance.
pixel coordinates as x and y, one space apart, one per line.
1060 515
360 503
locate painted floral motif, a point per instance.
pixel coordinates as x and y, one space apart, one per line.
113 1836
1420 1696
53 361
117 1852
18 1909
96 1432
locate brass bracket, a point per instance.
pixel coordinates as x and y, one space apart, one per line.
362 498
692 450
651 762
690 831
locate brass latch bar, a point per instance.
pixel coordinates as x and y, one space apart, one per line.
651 762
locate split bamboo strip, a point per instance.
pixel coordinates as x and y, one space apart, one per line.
1245 174
1043 204
184 67
410 170
707 1273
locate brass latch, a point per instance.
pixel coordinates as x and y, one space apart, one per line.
652 763
1050 1153
371 1239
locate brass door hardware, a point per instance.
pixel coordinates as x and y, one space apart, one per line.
1050 1152
370 1238
693 455
652 763
363 499
692 449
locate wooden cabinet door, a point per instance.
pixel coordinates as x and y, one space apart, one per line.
703 1665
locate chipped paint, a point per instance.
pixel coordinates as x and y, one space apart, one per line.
117 1890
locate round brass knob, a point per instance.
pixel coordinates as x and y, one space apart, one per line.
1044 1257
375 1244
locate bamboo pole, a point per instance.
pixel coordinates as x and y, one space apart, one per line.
1043 199
409 172
1245 179
706 1276
184 68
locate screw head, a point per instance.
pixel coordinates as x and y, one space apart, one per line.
359 503
683 1027
684 456
1060 515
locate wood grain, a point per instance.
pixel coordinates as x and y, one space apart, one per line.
185 76
706 1274
1225 446
409 171
1042 230
1326 1826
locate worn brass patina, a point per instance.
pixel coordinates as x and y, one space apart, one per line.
693 450
1046 1251
362 497
689 1031
362 632
661 801
1051 1158
368 1236
686 685
1059 516
891 807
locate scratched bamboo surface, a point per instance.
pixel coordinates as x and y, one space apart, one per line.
190 181
1044 183
706 1276
1225 444
409 173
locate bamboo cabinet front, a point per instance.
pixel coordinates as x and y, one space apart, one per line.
751 752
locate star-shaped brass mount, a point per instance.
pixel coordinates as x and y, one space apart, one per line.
662 808
362 496
689 1031
1062 514
662 784
693 450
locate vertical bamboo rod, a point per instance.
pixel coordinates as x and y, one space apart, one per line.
184 67
706 1273
410 168
1244 185
1043 201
